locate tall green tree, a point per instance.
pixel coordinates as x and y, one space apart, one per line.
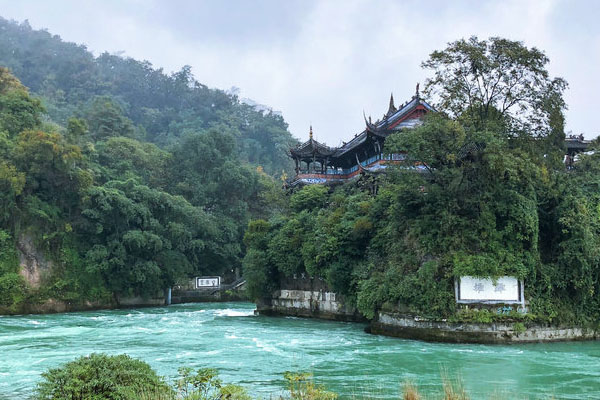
496 79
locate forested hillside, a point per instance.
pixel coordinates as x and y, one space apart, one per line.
127 97
495 199
117 179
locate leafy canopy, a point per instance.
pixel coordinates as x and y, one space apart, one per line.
495 80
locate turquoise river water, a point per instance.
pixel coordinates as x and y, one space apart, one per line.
255 351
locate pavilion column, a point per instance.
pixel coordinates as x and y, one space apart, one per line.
314 162
297 166
378 149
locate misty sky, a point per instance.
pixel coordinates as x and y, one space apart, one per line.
324 62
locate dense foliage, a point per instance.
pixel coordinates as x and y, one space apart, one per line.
117 179
494 199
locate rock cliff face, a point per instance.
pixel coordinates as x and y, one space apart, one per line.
36 268
34 265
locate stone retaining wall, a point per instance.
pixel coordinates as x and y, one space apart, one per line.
206 296
311 304
411 327
327 305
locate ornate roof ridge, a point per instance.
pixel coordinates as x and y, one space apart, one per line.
312 146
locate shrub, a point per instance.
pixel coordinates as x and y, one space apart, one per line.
204 384
519 327
9 260
100 376
13 289
302 387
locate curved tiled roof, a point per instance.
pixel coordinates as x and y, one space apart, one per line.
311 147
394 119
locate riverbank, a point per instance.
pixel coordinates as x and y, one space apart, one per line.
53 306
318 304
326 305
413 327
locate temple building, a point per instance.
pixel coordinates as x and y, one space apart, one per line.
319 163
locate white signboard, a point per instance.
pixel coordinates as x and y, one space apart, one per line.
208 282
506 289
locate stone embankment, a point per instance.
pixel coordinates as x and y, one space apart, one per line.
412 327
327 305
310 304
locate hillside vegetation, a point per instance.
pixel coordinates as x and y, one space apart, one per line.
118 179
495 199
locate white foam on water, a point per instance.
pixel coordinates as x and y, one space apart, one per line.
100 318
266 347
234 313
183 354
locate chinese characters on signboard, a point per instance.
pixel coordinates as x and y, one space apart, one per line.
506 289
208 282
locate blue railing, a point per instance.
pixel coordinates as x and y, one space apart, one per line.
368 161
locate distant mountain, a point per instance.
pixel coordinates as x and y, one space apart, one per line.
162 107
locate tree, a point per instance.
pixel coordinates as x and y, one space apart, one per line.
51 168
11 186
105 119
496 79
76 128
8 81
142 239
125 158
18 110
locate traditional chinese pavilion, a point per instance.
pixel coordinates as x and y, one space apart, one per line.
319 163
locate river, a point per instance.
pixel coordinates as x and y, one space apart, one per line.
255 351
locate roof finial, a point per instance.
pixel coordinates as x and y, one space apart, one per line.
417 90
310 134
392 109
